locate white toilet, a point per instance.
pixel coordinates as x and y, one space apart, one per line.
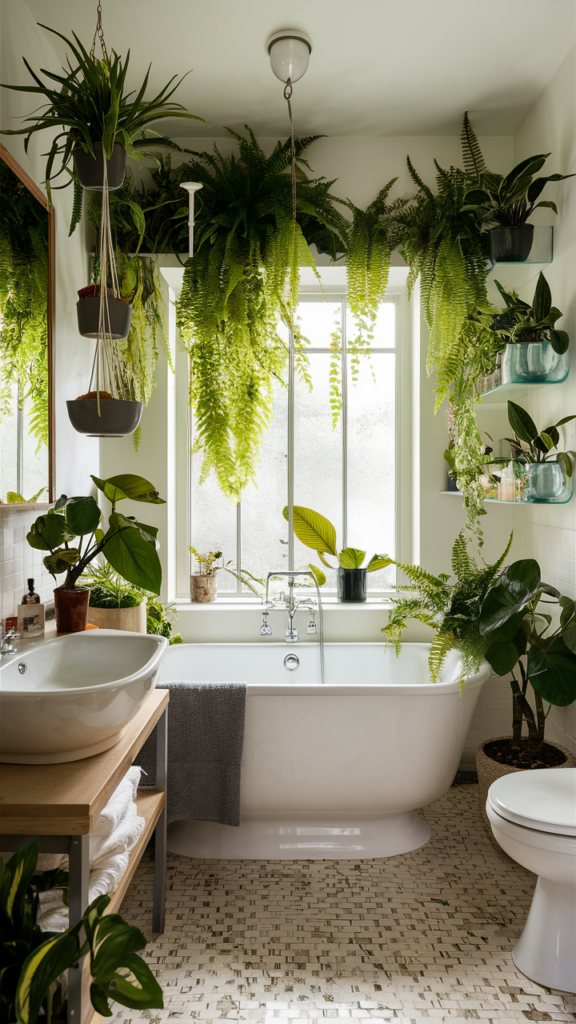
533 818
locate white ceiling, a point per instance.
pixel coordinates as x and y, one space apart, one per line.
378 67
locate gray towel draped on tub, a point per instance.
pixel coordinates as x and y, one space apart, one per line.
205 739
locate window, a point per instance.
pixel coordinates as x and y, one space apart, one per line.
348 473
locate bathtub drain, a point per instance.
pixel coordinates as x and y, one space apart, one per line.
291 662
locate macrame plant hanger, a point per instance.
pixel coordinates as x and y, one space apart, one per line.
288 89
107 366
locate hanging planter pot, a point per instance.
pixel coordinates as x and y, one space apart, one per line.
117 418
117 318
90 171
511 244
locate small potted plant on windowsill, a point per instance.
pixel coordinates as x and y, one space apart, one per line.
537 647
204 582
535 350
318 533
503 204
548 472
129 546
117 313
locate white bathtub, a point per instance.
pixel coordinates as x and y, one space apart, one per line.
333 770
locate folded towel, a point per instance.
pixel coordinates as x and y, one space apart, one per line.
205 740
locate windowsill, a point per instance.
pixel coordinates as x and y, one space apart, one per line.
249 604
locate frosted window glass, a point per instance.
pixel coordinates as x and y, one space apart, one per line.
33 456
213 523
384 328
317 321
317 458
372 462
264 529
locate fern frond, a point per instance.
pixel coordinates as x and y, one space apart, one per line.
441 644
472 158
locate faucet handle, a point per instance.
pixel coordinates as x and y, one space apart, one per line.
311 627
265 628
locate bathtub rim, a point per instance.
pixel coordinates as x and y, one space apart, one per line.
345 689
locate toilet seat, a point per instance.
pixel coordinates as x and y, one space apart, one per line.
543 799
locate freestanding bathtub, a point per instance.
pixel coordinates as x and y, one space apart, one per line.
333 770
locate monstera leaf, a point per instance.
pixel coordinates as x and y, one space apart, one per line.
518 585
130 547
552 673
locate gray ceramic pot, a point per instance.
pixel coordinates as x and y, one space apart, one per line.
90 171
117 418
118 321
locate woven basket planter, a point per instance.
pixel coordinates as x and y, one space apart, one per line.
489 770
131 619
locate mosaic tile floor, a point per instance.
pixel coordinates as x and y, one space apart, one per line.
424 935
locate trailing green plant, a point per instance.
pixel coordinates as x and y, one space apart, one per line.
530 445
499 200
316 532
89 104
33 960
23 302
536 647
521 323
241 282
160 620
129 546
450 604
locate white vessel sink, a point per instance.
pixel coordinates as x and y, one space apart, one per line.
71 697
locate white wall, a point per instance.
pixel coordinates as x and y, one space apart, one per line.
76 456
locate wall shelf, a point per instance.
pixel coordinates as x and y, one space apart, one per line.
517 504
511 392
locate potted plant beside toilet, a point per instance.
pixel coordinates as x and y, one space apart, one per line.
531 630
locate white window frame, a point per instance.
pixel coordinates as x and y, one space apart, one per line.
179 585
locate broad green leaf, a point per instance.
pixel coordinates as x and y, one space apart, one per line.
521 422
13 498
518 585
378 562
16 877
61 560
502 655
548 441
351 558
552 673
139 989
566 462
82 515
129 485
569 637
319 576
312 529
39 970
542 301
131 550
49 532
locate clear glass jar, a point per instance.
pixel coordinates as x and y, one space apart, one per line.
546 484
533 362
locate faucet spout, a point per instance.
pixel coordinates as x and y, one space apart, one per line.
293 604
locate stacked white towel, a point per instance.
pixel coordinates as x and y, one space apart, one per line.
115 834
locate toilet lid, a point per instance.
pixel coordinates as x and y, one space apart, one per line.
544 799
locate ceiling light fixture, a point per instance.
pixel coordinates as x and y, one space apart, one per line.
289 52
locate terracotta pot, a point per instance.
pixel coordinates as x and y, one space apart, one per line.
131 619
90 171
490 770
71 608
203 588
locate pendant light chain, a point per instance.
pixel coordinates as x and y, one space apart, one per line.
288 97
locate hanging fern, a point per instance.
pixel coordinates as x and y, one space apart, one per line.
23 302
244 279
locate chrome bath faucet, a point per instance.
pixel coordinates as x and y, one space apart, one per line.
292 605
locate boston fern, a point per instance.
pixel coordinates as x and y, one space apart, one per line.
450 605
243 279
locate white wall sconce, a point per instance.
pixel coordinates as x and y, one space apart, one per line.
191 187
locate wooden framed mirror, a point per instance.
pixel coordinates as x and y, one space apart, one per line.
27 277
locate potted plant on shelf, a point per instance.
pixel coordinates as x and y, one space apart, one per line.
318 533
114 602
96 116
503 204
537 646
547 471
33 961
535 351
129 546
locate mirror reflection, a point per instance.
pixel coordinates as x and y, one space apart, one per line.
24 342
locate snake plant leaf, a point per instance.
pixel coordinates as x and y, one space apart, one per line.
351 558
521 422
319 576
313 529
519 584
552 673
40 969
130 548
378 562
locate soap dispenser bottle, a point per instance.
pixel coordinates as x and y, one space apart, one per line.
31 614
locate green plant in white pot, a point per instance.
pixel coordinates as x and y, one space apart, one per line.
318 533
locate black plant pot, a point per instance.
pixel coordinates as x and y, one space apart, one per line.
88 310
452 484
351 584
90 171
511 245
117 418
